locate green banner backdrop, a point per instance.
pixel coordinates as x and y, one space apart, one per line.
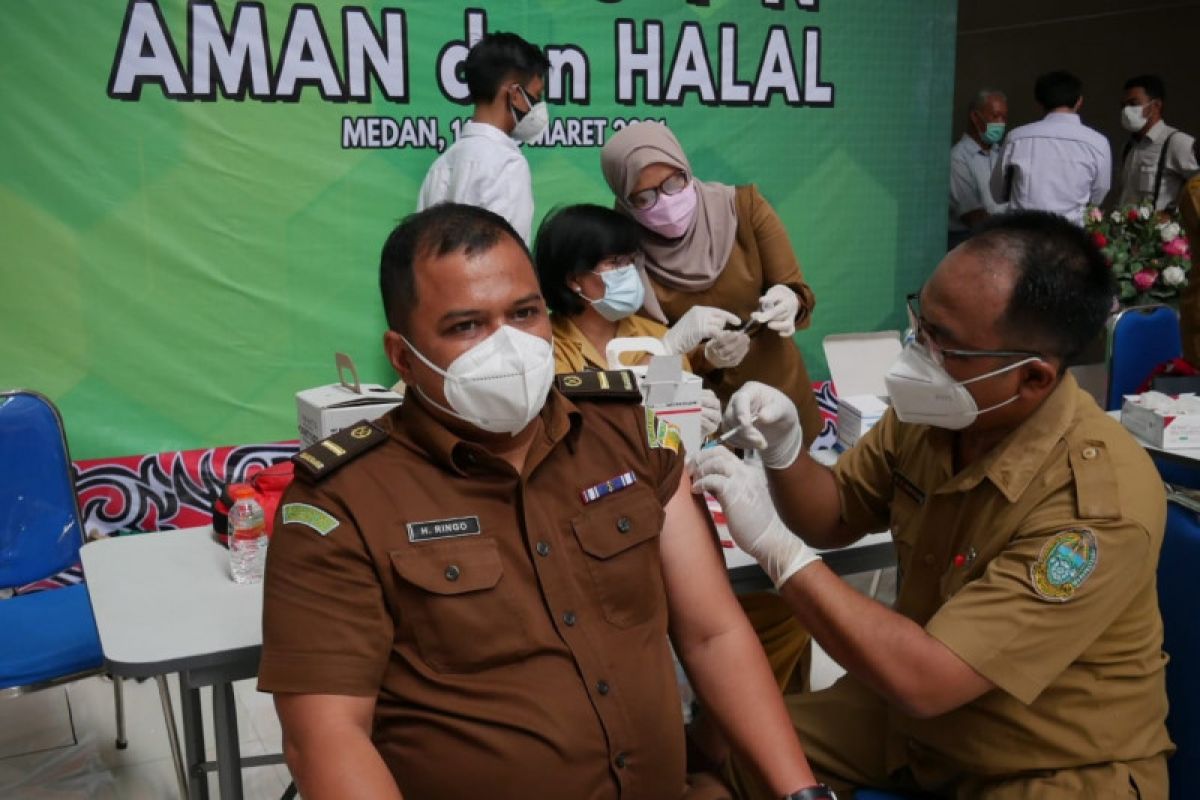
193 195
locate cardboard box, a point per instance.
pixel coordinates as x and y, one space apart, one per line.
856 415
325 410
667 389
857 364
1164 431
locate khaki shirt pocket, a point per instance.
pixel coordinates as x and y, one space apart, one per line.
1145 177
463 615
619 534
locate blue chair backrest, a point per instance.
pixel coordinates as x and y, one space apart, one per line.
40 528
1140 339
1177 569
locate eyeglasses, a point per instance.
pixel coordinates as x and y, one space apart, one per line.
674 183
615 262
920 330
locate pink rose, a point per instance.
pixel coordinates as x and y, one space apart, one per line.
1095 214
1177 247
1144 279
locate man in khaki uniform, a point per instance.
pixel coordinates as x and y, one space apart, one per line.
1189 299
473 597
1023 657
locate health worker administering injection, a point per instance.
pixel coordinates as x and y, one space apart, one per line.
1023 657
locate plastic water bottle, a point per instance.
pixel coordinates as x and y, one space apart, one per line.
247 536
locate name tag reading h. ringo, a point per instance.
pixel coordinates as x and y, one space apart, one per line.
442 529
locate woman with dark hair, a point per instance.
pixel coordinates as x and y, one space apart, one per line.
588 261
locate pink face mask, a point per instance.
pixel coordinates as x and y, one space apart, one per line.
672 214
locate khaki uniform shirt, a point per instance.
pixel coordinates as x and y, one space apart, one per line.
762 257
514 636
1189 299
574 352
1135 182
1036 566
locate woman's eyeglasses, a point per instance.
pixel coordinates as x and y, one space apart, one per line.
674 183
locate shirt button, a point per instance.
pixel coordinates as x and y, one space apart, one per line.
602 687
620 761
624 525
452 572
569 618
1089 452
543 549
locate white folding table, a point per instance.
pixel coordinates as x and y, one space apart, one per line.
165 602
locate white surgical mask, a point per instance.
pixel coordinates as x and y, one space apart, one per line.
535 120
924 393
500 384
1133 118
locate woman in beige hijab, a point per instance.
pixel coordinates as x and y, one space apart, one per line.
715 245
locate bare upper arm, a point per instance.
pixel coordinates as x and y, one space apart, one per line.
302 715
699 596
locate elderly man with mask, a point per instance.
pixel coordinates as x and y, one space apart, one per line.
473 597
1023 656
972 160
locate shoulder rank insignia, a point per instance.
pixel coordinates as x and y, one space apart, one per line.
333 452
660 433
606 384
1064 564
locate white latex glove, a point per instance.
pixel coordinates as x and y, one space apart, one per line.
727 348
710 413
766 420
749 513
777 308
696 325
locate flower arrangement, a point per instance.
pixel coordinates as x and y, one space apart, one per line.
1146 249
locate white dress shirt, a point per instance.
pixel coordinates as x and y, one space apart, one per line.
486 168
1140 166
1057 164
970 178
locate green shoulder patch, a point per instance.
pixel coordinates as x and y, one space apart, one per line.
318 519
661 434
599 384
1064 564
333 452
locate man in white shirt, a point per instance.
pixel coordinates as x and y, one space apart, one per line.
971 162
1057 164
506 76
1157 159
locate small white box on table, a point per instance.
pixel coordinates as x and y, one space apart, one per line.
1164 421
325 410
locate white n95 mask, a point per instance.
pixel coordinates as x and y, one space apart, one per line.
923 393
500 384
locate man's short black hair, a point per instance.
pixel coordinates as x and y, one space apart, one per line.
437 231
1152 84
498 58
571 241
1064 289
1057 89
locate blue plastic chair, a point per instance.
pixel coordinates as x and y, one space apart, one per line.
46 638
1139 339
1177 569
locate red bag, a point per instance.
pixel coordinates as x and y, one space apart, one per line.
269 485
